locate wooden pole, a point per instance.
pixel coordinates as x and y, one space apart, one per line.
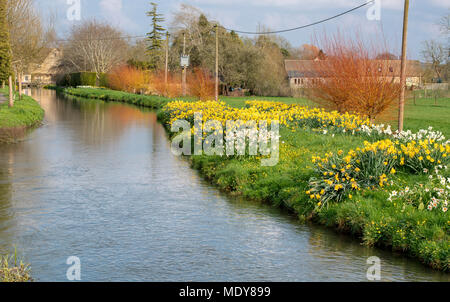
184 67
167 60
401 111
11 92
217 63
20 85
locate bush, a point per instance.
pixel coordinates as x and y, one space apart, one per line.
102 80
201 84
129 79
350 79
83 79
78 79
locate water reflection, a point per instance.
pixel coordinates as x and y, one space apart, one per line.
98 181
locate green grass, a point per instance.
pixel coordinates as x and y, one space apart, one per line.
25 113
240 101
117 96
428 113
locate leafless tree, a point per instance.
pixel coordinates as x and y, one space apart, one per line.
94 46
444 24
29 36
436 54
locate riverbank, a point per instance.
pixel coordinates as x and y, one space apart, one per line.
107 95
25 114
369 213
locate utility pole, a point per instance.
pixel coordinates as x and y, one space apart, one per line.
217 63
183 84
401 111
167 60
11 95
20 85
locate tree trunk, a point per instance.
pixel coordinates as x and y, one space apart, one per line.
11 95
20 85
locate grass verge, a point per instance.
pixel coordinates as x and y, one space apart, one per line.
24 114
155 102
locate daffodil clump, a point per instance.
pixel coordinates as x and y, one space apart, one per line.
371 167
290 115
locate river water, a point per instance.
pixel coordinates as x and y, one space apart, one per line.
98 181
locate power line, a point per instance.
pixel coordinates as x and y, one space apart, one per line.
301 27
245 32
105 39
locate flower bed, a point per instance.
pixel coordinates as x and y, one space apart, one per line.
354 167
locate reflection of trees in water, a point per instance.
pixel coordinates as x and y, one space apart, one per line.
6 212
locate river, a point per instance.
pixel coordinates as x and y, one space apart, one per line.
98 181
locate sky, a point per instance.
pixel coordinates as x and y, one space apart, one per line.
129 15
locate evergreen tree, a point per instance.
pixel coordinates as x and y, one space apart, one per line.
155 37
5 47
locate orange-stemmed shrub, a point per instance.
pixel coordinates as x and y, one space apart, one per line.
158 84
129 79
351 79
201 84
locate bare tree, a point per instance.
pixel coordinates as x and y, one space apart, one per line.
94 46
444 24
436 54
29 37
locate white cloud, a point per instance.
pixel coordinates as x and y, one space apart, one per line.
441 3
112 11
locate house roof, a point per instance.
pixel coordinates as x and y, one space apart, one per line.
51 63
311 68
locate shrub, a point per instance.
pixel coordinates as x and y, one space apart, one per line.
201 84
102 80
173 87
83 79
129 79
12 270
351 80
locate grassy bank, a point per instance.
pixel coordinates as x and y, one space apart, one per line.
107 95
25 113
368 212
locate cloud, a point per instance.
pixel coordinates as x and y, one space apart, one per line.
112 10
441 3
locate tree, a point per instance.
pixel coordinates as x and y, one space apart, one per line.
435 54
137 55
444 24
30 38
308 52
351 80
387 56
257 65
5 47
94 46
155 37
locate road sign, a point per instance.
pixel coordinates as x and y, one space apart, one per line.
184 61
